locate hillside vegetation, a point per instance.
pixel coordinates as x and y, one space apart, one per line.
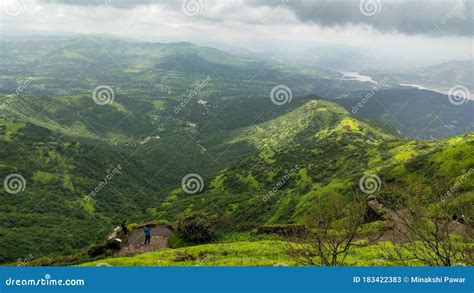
179 109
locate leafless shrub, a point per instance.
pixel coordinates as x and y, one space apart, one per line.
425 226
332 229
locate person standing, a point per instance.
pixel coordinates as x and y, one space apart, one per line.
124 227
147 232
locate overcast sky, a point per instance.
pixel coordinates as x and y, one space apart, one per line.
438 29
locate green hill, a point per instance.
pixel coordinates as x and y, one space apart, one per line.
315 151
285 164
179 109
150 80
57 212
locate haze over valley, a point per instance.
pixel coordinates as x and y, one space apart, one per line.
229 125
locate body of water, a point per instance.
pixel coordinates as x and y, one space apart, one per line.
352 75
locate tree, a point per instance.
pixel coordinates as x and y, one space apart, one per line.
423 222
332 229
197 227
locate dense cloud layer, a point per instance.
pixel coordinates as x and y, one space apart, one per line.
448 17
401 29
453 17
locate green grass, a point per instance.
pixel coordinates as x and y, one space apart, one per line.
252 154
242 253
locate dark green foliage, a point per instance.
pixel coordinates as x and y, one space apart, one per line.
419 114
197 227
242 144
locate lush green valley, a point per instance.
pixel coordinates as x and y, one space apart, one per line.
91 160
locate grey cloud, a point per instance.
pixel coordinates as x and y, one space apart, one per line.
126 4
409 17
433 18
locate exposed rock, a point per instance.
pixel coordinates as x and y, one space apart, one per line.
131 243
116 239
375 210
114 242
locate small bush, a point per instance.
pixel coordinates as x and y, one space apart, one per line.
163 222
197 227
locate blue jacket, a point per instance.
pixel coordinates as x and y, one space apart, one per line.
147 231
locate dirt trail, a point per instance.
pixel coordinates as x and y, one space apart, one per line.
136 238
399 230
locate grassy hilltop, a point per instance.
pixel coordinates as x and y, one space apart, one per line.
180 108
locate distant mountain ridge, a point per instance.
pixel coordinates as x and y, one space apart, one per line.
146 74
441 77
228 129
315 150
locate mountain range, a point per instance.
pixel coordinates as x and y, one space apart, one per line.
104 130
